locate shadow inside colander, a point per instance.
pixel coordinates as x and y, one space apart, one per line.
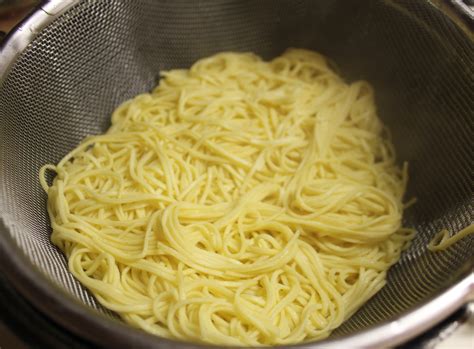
98 54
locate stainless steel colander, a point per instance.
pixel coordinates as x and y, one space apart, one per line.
66 68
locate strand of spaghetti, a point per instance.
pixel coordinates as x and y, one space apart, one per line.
241 202
443 240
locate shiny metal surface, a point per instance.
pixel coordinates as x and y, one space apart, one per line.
27 266
23 35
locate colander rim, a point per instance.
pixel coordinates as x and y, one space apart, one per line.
81 320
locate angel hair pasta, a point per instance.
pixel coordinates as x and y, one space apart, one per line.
241 202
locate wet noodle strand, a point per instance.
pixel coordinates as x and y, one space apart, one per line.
241 202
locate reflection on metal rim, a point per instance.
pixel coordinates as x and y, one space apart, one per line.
99 329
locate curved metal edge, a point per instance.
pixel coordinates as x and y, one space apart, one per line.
458 13
412 323
58 305
67 311
26 278
24 33
464 9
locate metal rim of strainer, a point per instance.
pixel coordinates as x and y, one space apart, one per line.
99 329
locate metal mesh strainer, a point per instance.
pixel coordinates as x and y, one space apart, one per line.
83 58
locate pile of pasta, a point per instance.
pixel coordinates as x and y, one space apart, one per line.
241 202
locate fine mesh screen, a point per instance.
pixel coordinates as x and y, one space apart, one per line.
100 53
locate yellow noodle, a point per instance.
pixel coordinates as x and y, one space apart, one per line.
241 202
443 240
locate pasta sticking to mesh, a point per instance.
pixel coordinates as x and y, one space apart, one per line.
241 202
443 240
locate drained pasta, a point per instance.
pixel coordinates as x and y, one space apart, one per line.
443 240
241 202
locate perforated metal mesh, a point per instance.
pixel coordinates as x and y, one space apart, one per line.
100 53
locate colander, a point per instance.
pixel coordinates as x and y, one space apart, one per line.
71 63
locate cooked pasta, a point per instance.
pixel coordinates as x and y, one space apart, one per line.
241 202
443 240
